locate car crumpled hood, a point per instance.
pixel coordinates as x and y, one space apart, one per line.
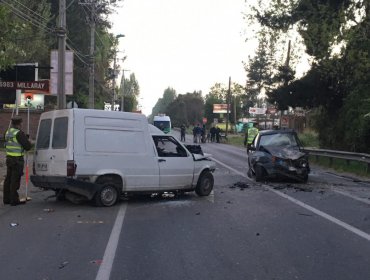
202 157
284 152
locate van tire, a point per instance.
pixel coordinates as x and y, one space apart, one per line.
107 195
205 184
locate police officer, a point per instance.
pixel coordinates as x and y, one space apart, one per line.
250 133
16 142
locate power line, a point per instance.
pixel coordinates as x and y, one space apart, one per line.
28 18
33 12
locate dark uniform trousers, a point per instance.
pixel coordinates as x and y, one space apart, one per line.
12 181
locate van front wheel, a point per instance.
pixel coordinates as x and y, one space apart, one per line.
107 195
205 184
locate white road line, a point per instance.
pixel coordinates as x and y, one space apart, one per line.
306 206
110 251
364 200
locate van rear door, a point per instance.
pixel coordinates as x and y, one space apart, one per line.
53 142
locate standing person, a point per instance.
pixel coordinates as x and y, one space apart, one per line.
204 131
199 133
250 133
183 130
16 142
213 133
218 131
195 134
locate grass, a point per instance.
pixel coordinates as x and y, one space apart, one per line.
341 165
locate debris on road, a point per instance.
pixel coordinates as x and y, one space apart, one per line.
48 210
302 188
98 262
240 185
14 224
63 264
303 214
198 213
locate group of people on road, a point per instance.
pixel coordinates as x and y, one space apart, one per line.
200 134
214 134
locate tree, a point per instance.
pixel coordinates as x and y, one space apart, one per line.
169 95
130 90
25 35
339 77
186 109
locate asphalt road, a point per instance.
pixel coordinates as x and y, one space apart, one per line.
244 230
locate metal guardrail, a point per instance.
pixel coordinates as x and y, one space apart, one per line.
348 156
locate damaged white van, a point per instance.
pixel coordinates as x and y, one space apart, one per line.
105 155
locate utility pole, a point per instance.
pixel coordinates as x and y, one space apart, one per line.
114 81
114 73
123 91
92 59
61 33
285 82
91 100
228 106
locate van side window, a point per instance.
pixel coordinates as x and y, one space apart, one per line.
60 132
43 138
167 146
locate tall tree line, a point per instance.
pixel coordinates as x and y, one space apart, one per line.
336 34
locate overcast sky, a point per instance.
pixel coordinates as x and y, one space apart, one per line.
184 44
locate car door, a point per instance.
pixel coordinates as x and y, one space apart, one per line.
176 165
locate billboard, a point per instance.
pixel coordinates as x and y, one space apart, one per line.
31 99
68 72
220 108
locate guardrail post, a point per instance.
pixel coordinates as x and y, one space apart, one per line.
331 162
348 162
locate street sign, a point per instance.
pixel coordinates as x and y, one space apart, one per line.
34 85
257 111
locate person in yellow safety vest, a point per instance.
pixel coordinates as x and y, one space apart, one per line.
250 133
16 142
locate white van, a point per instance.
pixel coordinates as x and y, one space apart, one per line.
104 155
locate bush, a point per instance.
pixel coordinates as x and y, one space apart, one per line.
309 138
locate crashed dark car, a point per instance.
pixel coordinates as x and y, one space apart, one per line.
278 154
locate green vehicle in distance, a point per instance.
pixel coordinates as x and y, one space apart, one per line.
163 122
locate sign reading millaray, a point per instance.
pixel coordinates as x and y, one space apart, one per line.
35 85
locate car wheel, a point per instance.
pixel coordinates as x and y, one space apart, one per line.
304 178
205 184
107 195
249 172
260 173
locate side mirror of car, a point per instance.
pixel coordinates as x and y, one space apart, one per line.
252 148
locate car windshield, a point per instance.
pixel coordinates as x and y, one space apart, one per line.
278 139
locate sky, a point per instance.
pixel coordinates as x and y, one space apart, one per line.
188 45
